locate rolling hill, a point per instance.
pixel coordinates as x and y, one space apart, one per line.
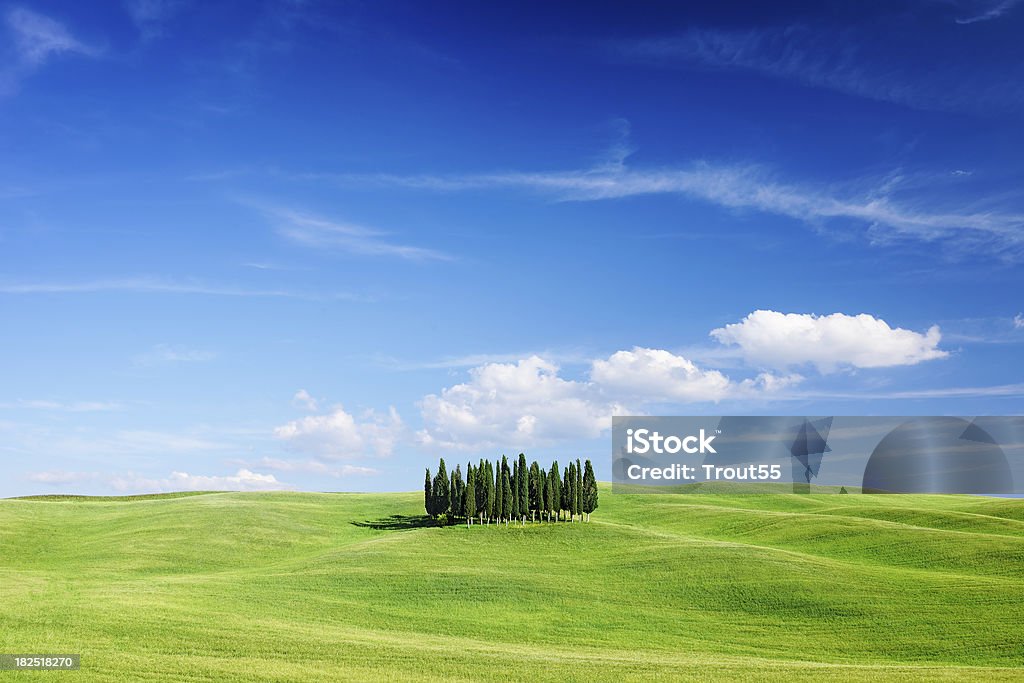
301 586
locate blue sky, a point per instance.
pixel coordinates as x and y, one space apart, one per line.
305 245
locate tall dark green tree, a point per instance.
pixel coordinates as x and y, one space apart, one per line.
523 486
578 490
499 495
567 480
542 497
489 490
514 481
506 490
441 490
572 492
534 490
455 493
469 499
481 489
428 495
554 490
589 489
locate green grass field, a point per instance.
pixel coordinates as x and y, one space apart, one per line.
302 587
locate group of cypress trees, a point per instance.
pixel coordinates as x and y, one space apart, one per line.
494 492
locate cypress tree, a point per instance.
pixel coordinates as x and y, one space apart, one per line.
499 496
554 490
567 480
481 489
441 487
579 490
428 495
489 490
589 490
453 496
572 492
469 500
524 488
506 490
455 493
542 494
534 492
514 481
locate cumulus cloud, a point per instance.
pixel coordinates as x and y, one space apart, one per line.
828 342
303 399
339 435
512 405
659 373
527 403
1018 321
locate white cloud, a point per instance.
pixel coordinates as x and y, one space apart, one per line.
35 38
149 15
512 405
167 353
659 375
316 467
985 10
61 477
303 399
828 342
156 286
877 206
527 403
819 58
70 407
339 435
242 480
314 231
1018 322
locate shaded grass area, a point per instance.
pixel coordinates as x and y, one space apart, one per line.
294 586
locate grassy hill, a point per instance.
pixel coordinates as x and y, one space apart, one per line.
298 587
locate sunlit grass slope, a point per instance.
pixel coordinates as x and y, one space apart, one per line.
298 587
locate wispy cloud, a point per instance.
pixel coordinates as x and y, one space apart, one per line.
34 39
168 353
876 205
151 285
823 58
131 482
150 15
313 467
64 406
986 10
992 391
315 231
470 360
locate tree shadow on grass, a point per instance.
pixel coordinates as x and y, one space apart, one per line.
397 523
